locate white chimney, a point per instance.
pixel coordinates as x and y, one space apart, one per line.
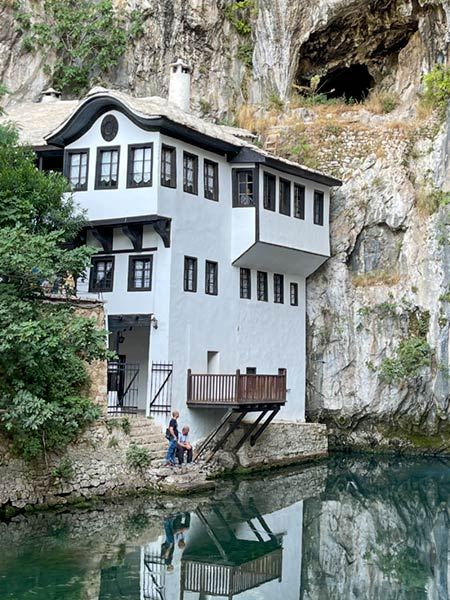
180 85
50 95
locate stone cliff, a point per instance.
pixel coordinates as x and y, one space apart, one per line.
379 309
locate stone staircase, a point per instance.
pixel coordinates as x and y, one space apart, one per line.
147 434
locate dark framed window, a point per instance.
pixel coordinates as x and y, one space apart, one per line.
140 165
269 191
211 278
243 188
107 173
299 201
285 197
168 166
140 273
190 274
245 284
318 207
211 180
101 277
261 280
294 294
76 169
190 173
278 288
250 371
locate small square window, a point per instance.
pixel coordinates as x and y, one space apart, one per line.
211 180
278 288
261 279
294 294
76 169
190 274
245 284
140 165
299 201
285 197
168 166
102 274
269 191
211 278
140 273
190 173
318 207
243 191
107 175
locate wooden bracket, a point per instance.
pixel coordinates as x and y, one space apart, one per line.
134 232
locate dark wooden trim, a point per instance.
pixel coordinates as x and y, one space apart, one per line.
302 201
104 235
293 285
135 233
95 259
319 200
131 147
273 178
127 251
248 273
163 229
173 179
215 165
280 277
215 291
235 188
101 149
66 166
281 209
194 275
131 261
266 286
194 192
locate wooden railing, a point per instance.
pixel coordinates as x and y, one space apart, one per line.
222 390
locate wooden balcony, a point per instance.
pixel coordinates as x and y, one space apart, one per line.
228 391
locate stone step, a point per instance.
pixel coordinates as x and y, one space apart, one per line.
150 437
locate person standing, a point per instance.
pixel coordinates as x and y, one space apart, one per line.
184 445
173 439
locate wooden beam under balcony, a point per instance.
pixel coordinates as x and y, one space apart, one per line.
246 392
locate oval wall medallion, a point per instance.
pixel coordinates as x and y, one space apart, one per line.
109 128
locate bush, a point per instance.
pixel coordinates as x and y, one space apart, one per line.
138 457
437 87
64 470
411 356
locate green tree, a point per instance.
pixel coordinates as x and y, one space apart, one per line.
88 38
44 343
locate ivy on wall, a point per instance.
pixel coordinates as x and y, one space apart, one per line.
87 37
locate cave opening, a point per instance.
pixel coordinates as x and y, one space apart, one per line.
352 83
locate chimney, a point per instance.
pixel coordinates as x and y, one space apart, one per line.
180 85
50 95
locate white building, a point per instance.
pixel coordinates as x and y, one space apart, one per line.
204 243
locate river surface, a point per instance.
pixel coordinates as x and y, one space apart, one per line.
349 528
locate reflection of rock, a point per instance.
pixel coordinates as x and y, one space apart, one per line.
380 530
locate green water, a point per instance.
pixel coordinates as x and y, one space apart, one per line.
349 528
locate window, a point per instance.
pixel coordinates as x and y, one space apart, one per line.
190 274
243 188
250 371
294 294
168 166
140 273
269 189
190 173
318 208
278 288
285 197
107 175
299 201
211 176
211 276
245 284
140 165
262 286
77 169
102 274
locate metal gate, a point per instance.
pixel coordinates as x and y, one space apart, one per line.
123 388
161 390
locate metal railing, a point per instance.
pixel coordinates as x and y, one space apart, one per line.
123 388
223 390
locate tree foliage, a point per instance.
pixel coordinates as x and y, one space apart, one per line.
44 345
88 38
437 87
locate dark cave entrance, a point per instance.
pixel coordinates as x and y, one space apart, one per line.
351 83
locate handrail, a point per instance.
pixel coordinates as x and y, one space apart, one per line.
227 389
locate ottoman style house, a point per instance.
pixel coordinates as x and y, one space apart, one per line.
204 242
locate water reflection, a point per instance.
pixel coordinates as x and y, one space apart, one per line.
352 528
